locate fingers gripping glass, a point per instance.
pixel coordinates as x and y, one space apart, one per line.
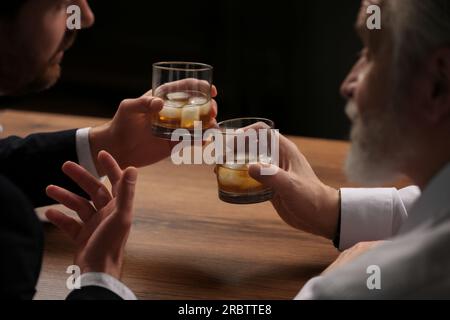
185 88
245 142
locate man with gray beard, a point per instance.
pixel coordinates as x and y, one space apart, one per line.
399 103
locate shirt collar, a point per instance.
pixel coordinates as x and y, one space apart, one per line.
433 204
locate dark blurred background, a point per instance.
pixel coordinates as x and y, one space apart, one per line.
281 59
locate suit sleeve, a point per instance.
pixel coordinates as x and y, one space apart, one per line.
93 293
34 162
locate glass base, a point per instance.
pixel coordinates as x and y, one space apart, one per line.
235 198
166 133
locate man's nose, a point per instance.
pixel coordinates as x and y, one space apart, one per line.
87 16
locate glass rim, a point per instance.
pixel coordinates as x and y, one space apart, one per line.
165 65
255 119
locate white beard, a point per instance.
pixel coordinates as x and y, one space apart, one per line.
375 150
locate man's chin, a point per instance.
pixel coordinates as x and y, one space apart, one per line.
44 81
367 172
368 165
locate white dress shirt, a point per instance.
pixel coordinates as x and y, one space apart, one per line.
374 214
414 264
108 282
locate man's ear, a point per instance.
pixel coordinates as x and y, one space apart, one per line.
439 107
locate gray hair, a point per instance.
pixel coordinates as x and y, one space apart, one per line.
418 28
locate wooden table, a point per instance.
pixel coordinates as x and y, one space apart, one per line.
186 243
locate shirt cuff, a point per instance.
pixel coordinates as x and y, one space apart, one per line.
108 282
366 215
84 152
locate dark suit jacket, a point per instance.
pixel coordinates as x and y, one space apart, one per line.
93 293
27 167
21 244
35 162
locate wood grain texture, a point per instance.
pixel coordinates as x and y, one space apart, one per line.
186 243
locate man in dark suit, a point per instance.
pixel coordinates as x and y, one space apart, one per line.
33 39
27 167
